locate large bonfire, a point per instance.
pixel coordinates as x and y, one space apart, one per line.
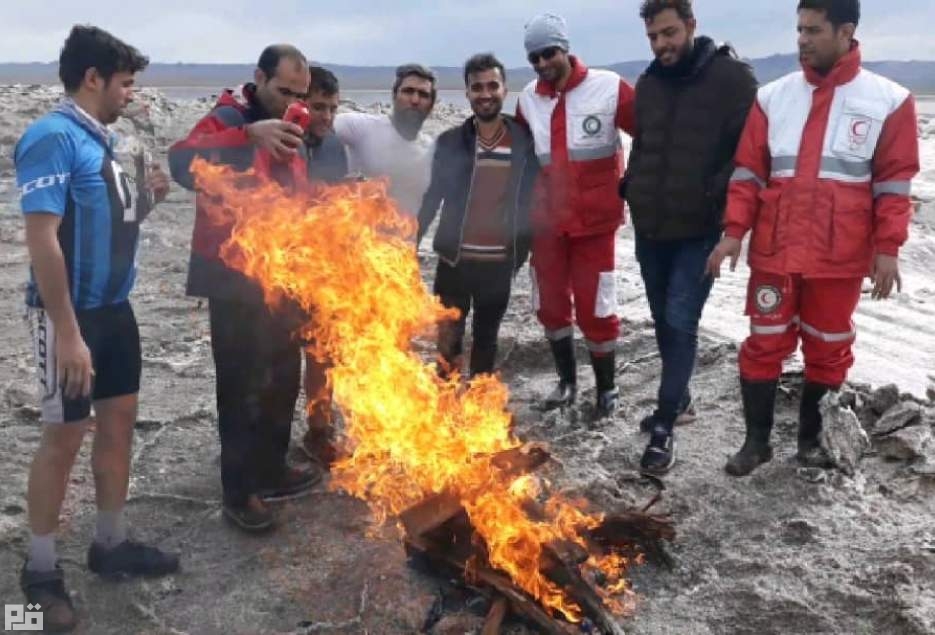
344 255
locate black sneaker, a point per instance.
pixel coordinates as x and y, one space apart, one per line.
659 456
253 516
45 592
292 483
131 558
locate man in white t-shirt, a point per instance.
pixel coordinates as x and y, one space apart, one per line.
394 146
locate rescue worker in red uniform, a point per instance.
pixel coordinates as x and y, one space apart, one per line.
822 178
575 114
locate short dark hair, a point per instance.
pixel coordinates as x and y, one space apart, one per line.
90 47
651 8
483 62
414 70
322 81
838 12
274 53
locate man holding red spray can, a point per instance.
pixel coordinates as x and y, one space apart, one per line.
257 358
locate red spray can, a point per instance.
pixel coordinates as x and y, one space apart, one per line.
298 113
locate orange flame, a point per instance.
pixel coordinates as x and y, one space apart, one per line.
344 255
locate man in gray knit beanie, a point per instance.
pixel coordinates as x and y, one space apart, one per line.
547 40
574 114
546 30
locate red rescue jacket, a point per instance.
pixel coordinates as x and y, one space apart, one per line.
823 172
220 137
577 142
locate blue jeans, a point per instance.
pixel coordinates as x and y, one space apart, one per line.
677 289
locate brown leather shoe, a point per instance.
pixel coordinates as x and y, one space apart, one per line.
291 483
253 517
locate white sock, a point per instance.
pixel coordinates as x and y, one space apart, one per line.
42 556
111 529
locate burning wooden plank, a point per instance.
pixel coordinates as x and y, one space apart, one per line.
567 576
435 510
447 539
430 514
440 529
495 616
492 584
521 460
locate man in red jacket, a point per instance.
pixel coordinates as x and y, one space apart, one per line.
575 114
257 360
822 177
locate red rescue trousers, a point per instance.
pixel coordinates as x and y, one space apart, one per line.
783 308
576 271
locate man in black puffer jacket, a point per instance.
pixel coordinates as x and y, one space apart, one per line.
691 106
483 170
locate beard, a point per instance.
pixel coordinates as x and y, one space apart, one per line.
110 111
682 54
409 121
488 115
547 74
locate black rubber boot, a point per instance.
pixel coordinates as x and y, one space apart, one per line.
759 402
563 351
605 370
810 452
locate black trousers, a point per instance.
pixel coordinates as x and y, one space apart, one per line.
485 286
258 368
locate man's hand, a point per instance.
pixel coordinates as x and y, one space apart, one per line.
727 247
280 138
157 182
73 363
885 273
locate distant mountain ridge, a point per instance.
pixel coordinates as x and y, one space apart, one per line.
918 76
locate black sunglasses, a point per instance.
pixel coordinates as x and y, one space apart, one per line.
546 54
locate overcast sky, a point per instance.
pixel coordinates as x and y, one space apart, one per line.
438 32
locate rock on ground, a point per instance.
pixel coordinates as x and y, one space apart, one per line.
907 444
902 415
842 436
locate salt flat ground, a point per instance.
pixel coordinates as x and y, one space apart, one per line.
785 551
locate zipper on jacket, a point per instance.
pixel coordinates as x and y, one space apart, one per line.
467 202
519 191
664 167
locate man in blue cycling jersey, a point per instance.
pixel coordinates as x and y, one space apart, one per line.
83 214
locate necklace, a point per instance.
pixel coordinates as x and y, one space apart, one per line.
494 139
